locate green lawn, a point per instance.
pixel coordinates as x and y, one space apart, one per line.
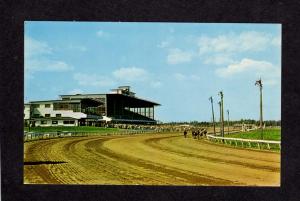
268 134
72 128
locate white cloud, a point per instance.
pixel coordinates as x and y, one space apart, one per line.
93 80
218 59
244 66
253 41
163 44
276 41
128 75
34 47
194 77
232 42
179 76
177 56
78 48
271 81
75 91
101 34
166 42
45 65
36 58
171 30
134 74
131 74
156 84
264 69
183 77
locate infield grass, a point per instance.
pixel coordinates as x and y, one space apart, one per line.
268 134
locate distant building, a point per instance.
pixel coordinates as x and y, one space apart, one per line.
244 127
119 106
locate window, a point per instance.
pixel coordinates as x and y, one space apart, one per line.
58 115
47 105
47 115
69 122
35 105
61 106
54 122
43 122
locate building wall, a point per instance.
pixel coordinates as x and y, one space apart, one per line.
26 111
59 123
42 110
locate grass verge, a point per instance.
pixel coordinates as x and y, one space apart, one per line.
268 134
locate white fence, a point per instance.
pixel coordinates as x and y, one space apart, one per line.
245 142
29 136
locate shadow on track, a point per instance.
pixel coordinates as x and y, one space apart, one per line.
43 162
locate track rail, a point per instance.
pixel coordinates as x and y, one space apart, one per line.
246 141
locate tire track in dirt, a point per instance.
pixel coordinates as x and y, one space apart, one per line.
109 166
168 172
219 158
137 148
146 159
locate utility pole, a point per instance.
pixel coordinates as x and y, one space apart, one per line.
220 118
213 115
228 120
222 112
259 84
30 111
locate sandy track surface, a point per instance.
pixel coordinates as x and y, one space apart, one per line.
158 159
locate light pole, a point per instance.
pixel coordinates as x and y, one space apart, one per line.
220 118
222 112
259 84
213 115
228 120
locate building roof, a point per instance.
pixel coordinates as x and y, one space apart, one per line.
132 101
64 101
52 101
53 118
129 97
74 95
132 98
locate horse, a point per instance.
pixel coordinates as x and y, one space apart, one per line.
195 134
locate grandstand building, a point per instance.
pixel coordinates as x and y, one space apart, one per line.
119 106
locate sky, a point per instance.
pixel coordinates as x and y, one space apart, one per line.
179 65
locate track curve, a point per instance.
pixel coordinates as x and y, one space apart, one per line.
158 159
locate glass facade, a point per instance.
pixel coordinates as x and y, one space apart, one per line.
75 107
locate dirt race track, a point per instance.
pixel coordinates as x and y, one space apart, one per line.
153 159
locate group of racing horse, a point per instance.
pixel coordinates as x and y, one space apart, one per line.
196 133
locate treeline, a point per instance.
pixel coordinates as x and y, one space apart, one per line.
245 121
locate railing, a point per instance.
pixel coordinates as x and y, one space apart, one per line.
30 136
245 142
